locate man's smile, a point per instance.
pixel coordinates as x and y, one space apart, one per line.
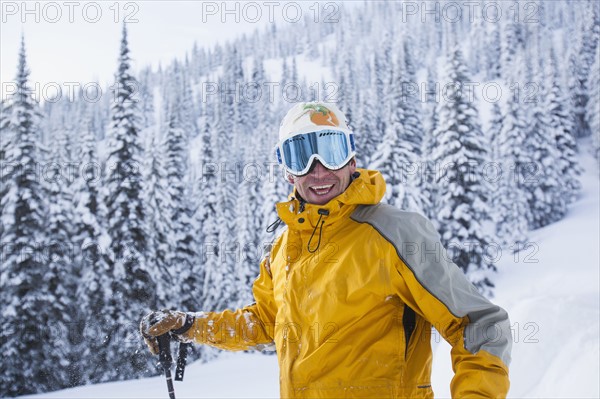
322 189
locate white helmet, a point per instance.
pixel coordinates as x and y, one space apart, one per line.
311 117
314 131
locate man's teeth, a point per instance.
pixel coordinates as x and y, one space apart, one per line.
322 189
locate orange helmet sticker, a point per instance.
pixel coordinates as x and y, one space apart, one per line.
321 115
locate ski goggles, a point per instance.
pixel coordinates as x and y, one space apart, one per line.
333 148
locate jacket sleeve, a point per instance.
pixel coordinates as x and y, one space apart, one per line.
438 290
250 327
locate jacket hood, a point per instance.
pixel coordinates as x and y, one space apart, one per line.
368 188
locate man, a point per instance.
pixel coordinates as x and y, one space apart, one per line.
350 290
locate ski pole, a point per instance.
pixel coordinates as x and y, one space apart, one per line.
164 355
181 361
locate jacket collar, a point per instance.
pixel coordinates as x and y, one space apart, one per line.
366 189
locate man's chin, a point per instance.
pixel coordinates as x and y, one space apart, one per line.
320 199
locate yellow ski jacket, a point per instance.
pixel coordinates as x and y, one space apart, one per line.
349 293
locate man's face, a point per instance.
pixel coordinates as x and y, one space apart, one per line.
321 185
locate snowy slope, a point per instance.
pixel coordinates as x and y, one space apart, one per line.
551 291
235 375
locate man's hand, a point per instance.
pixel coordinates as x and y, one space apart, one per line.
161 322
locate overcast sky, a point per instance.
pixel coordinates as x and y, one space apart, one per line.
78 41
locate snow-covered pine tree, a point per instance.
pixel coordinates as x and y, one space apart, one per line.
311 46
393 155
367 134
3 119
495 127
593 116
555 102
89 238
133 286
232 133
512 41
233 106
216 56
510 204
264 110
462 203
160 238
224 293
247 234
295 78
478 50
430 124
510 207
413 127
6 141
188 108
378 81
273 187
197 62
492 67
178 90
171 90
216 214
88 207
181 258
257 153
205 216
346 78
383 66
285 79
62 274
399 154
23 269
580 64
543 189
146 98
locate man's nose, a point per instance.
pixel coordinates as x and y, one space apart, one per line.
318 169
